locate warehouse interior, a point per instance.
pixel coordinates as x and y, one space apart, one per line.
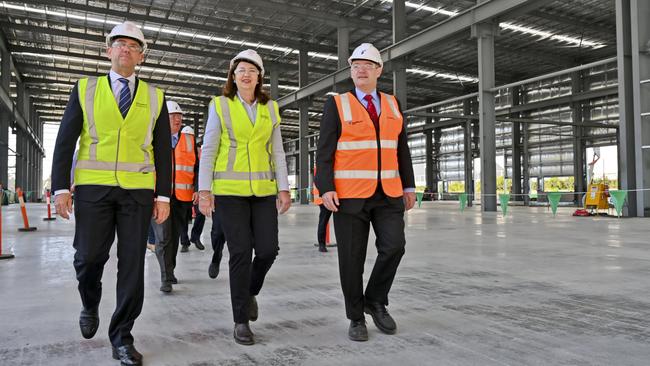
516 97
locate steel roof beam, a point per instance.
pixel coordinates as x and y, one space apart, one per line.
251 37
438 32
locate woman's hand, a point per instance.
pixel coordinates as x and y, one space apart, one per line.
283 202
206 203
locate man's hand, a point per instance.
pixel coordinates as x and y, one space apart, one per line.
206 203
195 198
409 200
160 211
283 202
63 205
331 201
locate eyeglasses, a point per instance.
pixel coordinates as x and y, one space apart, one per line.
246 71
122 45
366 67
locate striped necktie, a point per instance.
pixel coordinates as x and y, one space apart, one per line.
125 97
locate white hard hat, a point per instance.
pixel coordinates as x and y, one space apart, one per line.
366 51
173 107
188 130
249 56
127 29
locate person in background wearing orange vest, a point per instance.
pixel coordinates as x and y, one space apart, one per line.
323 218
185 164
365 176
185 239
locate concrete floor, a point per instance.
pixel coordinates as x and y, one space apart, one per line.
473 289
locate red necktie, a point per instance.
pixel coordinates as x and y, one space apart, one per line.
372 111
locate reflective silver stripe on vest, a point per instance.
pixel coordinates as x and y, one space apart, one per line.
274 120
153 105
387 174
345 104
113 166
356 145
184 186
91 85
227 120
391 104
364 174
189 146
388 144
244 175
274 117
361 145
184 168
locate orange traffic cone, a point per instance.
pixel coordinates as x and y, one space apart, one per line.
49 209
23 210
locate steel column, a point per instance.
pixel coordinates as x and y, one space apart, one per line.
303 106
484 33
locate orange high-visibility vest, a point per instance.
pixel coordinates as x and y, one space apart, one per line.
315 193
184 159
356 161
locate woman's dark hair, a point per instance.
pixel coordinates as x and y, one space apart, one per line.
230 89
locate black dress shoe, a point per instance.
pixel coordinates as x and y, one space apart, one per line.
381 318
253 310
243 334
185 248
213 270
166 287
89 322
127 355
174 280
358 331
198 244
322 248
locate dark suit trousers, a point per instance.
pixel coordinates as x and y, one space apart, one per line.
182 231
197 228
250 223
217 237
96 224
323 219
352 229
167 247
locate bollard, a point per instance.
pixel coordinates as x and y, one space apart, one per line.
23 210
48 199
2 255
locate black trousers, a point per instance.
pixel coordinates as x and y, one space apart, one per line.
197 228
250 223
323 219
185 240
352 229
167 243
217 237
97 221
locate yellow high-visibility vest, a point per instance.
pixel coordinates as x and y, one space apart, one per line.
244 165
116 151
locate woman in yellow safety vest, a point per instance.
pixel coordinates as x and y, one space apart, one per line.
243 172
